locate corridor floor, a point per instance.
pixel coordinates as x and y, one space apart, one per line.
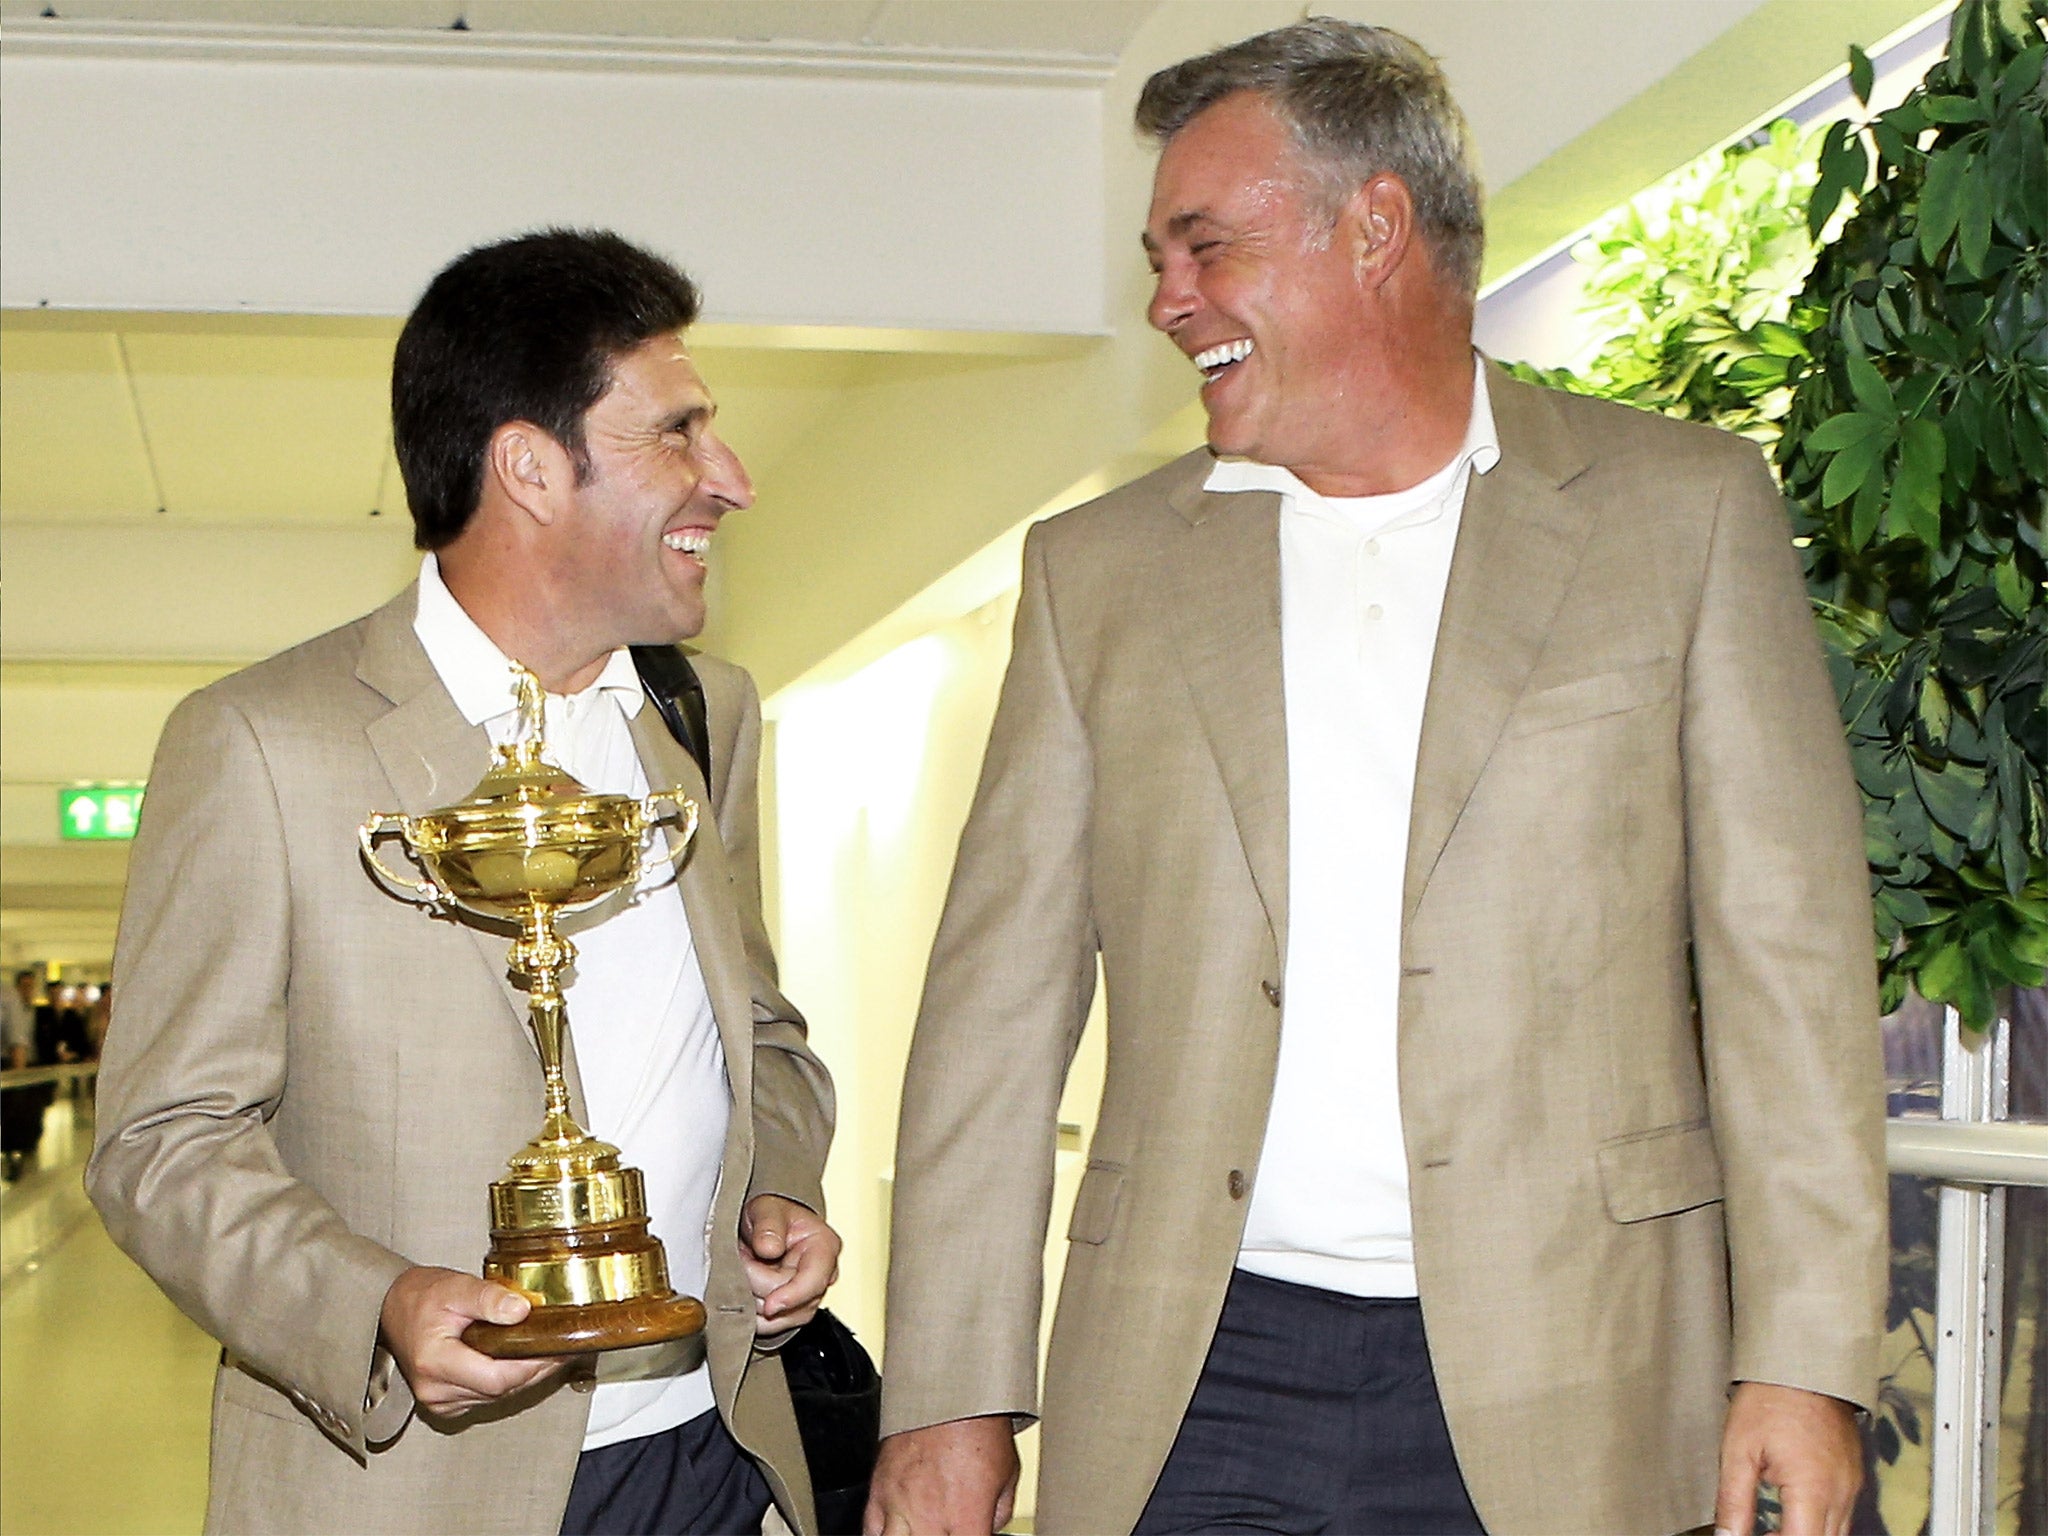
104 1385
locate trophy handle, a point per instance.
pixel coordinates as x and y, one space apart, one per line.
681 815
391 824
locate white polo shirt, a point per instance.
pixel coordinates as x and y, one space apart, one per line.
1361 590
647 1046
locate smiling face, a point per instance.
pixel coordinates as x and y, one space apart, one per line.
1256 287
635 542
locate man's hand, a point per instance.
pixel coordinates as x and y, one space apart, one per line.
424 1314
791 1257
955 1479
1802 1443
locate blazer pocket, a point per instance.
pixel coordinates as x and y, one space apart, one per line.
1095 1203
1593 698
1661 1172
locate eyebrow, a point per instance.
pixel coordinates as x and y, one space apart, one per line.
1177 226
695 415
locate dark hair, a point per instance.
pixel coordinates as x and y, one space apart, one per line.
1358 101
523 330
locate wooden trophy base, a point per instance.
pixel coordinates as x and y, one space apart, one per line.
585 1329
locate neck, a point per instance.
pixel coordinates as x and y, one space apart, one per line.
526 620
1411 407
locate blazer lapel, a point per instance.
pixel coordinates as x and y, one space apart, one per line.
707 898
1226 610
431 755
1519 541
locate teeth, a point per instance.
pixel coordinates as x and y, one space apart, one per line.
687 541
1214 358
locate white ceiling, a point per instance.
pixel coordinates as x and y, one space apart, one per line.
1084 29
183 423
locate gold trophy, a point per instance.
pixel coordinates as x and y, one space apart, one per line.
568 1223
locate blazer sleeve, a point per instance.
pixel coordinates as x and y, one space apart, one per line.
793 1098
184 1170
1005 1000
1782 951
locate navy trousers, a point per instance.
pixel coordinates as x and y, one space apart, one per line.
1316 1412
693 1480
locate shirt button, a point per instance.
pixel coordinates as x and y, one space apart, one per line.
1372 546
1235 1183
1375 612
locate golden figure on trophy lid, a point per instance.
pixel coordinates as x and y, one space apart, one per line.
568 1223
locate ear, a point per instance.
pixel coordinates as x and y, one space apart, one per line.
529 468
1380 221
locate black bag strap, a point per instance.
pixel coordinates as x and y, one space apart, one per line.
671 682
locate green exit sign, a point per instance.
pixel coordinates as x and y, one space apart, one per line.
101 812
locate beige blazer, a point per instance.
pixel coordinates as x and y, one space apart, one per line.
1639 1068
308 1085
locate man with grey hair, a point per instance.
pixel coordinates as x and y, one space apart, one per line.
1444 773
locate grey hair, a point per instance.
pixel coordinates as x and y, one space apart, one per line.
1358 101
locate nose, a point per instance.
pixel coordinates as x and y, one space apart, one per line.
1173 295
726 482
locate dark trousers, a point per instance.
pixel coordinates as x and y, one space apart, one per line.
1315 1412
693 1480
21 1118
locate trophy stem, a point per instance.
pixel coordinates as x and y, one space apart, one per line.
541 955
568 1223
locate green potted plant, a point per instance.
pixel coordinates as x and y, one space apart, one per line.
1879 320
1914 454
1903 389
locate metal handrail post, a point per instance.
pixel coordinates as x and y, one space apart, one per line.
1968 1293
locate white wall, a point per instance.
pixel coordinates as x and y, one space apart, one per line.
315 182
873 774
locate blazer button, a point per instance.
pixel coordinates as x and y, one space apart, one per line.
1235 1183
583 1382
1272 991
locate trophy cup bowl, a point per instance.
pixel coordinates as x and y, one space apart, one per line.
499 861
568 1222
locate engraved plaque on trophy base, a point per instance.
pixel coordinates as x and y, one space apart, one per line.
576 1240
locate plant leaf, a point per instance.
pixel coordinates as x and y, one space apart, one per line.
2011 587
1940 971
1950 794
1853 466
1844 164
2022 76
1973 217
1953 109
1843 431
1940 203
1871 390
2031 194
1863 516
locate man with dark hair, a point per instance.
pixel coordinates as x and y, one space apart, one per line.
308 1086
1444 773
